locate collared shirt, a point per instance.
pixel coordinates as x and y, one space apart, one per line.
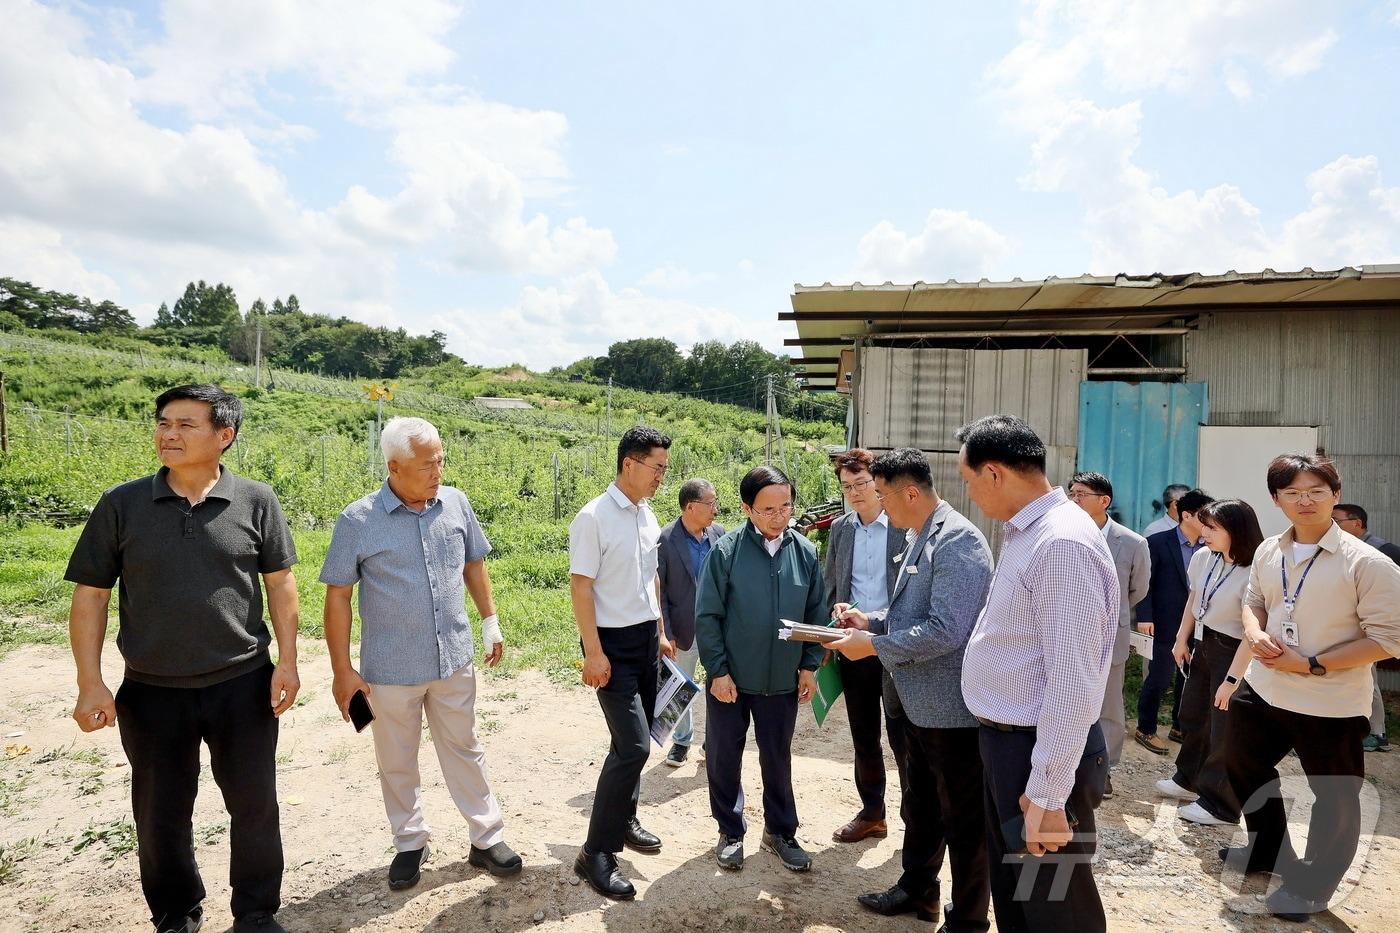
1040 652
1164 523
413 616
869 564
698 548
189 599
1352 591
1188 547
613 542
774 545
1226 582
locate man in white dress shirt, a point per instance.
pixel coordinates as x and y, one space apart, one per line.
1034 676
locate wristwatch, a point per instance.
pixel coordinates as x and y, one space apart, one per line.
1231 679
1315 666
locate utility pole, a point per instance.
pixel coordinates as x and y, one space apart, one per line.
768 423
4 424
257 356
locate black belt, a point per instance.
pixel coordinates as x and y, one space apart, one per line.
1003 727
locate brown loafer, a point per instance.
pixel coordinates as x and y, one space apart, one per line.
1150 742
858 829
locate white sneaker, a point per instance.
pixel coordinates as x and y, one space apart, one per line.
1169 788
1195 813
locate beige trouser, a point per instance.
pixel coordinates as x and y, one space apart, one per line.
398 721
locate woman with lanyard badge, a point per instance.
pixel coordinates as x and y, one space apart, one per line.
1218 574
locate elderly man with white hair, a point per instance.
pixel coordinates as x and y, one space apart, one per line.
413 545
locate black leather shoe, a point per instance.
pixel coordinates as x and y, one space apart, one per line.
889 903
639 839
499 859
189 923
258 923
600 871
1234 856
405 869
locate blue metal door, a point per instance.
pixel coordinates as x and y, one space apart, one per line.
1142 436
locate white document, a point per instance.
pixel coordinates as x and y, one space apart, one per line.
674 695
1140 644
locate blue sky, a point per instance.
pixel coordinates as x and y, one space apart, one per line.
539 180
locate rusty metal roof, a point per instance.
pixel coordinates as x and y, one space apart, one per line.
831 317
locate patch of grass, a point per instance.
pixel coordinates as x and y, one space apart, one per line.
12 791
210 833
11 856
117 838
90 784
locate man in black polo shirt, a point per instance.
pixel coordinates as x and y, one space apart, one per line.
188 545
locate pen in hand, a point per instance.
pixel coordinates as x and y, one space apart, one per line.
835 619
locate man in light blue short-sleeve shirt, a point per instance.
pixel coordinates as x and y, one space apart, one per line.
415 548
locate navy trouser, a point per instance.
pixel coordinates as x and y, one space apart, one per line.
629 704
161 728
1054 892
861 686
1161 675
774 718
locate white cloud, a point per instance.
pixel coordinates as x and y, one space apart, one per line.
670 277
581 316
34 253
951 244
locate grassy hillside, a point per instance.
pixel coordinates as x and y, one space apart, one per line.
80 421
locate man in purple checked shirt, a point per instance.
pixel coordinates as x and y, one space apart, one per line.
1033 676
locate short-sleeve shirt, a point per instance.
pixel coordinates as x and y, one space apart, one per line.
414 627
1352 591
189 601
613 541
1227 582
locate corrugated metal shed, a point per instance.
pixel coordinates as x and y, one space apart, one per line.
1142 436
1336 369
919 398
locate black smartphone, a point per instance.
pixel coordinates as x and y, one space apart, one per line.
360 713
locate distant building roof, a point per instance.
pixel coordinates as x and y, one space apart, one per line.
501 404
830 317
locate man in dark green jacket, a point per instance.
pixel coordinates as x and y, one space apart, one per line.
757 575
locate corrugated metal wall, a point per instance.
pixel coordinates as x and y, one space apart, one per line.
1142 436
1338 369
919 398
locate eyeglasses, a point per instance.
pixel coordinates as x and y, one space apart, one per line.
1075 495
659 470
892 492
774 512
708 503
858 484
1316 494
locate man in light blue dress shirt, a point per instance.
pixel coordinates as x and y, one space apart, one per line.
416 548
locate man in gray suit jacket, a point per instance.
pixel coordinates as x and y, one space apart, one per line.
681 552
941 585
860 567
1094 494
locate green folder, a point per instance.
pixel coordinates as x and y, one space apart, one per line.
828 688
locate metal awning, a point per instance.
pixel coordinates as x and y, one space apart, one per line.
831 318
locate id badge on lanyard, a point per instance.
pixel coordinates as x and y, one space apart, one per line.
1290 600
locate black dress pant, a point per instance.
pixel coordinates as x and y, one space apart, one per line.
942 810
1200 764
629 705
861 685
161 728
774 718
1054 892
1329 749
1160 676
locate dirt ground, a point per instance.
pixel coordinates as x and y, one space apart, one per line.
67 864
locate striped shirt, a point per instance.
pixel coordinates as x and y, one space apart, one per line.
1040 652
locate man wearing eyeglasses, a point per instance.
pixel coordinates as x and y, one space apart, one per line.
617 606
685 543
757 575
1321 608
860 555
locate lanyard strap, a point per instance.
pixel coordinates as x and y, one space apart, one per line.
1290 601
1208 594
